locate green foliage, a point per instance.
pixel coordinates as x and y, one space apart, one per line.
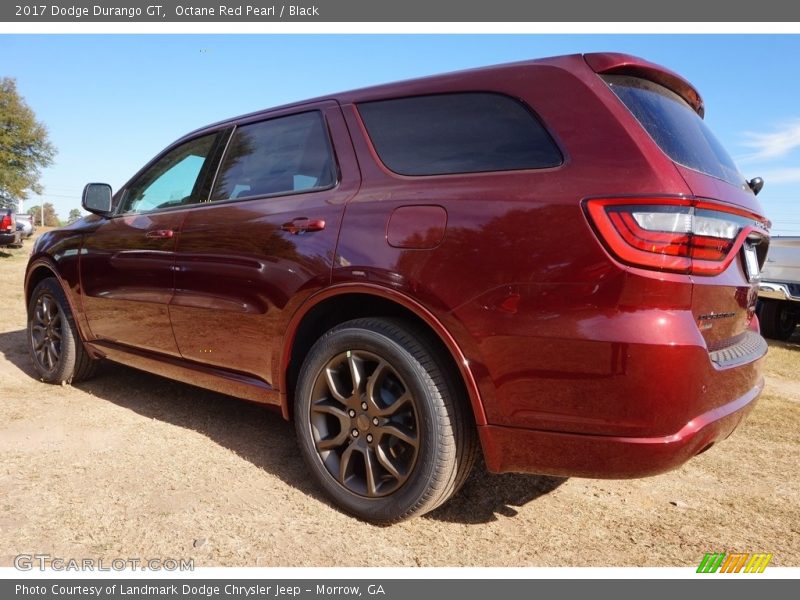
50 216
74 215
24 146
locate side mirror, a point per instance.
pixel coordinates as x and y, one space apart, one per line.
756 183
97 199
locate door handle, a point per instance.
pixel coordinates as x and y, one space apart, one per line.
303 224
160 233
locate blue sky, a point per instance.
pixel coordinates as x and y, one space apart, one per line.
111 102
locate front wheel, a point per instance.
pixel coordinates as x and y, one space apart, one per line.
381 421
55 347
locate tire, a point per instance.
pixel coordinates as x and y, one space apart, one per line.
400 443
56 349
778 319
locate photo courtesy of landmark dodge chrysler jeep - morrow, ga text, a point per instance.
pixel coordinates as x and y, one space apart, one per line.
553 262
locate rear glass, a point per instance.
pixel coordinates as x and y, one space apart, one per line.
675 127
457 133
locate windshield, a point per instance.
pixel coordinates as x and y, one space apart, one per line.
675 127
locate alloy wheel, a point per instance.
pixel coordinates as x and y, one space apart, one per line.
46 332
364 423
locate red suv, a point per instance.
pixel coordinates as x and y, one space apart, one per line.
554 262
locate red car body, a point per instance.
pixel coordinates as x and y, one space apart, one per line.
575 361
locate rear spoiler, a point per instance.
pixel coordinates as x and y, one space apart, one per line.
613 63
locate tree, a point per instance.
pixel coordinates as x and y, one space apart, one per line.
74 215
24 146
50 216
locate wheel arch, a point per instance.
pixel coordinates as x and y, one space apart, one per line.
338 304
39 270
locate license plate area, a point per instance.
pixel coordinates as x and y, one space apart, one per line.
751 262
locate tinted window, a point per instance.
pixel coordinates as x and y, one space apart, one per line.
279 156
171 180
457 133
676 128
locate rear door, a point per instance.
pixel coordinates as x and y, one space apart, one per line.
127 263
266 238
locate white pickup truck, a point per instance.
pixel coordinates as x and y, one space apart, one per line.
779 289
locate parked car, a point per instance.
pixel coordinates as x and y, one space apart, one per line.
25 225
553 262
9 236
779 289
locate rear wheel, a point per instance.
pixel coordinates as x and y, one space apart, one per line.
381 421
56 349
778 319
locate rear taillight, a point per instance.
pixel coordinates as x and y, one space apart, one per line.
6 224
680 235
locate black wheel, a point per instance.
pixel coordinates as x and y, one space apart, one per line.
381 421
778 319
57 351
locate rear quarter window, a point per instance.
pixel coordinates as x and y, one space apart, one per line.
457 133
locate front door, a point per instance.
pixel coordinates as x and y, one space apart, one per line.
127 263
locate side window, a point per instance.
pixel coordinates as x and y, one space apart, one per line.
280 156
172 180
457 133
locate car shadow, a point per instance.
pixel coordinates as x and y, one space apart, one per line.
14 348
793 343
255 432
486 495
261 436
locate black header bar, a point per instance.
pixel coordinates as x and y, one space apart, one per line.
438 11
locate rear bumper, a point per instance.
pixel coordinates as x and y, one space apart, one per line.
10 239
610 457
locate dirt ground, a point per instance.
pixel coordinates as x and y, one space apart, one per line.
134 465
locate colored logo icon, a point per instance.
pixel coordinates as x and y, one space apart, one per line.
719 562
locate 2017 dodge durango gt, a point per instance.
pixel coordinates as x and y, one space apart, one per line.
553 262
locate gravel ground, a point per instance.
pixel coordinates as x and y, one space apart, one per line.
134 465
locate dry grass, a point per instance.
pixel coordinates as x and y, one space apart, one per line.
784 358
133 465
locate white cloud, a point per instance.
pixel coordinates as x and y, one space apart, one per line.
776 144
786 175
